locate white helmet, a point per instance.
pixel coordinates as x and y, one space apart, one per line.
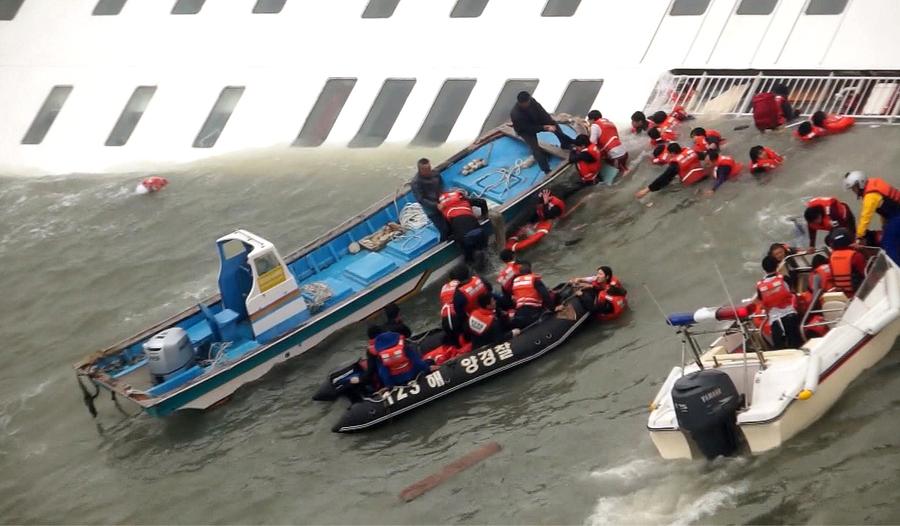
856 178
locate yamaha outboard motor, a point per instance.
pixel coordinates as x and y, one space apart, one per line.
168 353
706 404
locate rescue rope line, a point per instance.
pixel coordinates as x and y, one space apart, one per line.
507 174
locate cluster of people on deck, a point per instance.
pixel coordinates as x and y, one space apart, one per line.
782 300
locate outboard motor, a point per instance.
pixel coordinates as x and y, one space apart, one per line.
706 404
168 353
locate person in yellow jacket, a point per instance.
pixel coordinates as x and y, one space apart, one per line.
878 196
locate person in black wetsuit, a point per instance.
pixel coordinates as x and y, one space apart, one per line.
528 119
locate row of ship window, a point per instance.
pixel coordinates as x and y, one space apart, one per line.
462 8
445 110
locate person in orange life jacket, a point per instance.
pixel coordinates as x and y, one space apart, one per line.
658 138
821 277
426 187
603 280
509 271
530 296
848 266
825 214
398 362
878 197
369 379
610 296
683 163
587 159
786 112
528 119
549 207
808 131
725 169
763 159
705 141
457 209
661 155
605 136
453 306
779 302
394 322
487 325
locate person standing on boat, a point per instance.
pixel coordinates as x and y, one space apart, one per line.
779 302
528 119
530 296
825 214
426 187
398 363
848 266
487 325
877 196
457 209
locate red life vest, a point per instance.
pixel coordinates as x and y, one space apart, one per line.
779 108
767 113
774 292
524 292
826 281
506 276
890 205
835 212
725 160
447 293
472 290
395 359
835 124
480 320
689 169
454 204
619 304
664 157
845 278
554 201
588 171
814 133
609 136
771 161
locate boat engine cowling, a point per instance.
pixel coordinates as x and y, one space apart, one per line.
706 404
168 352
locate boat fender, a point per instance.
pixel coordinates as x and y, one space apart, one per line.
812 378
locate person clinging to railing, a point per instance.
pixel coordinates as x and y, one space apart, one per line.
779 302
848 265
827 213
879 197
530 118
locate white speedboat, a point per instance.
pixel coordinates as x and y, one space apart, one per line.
727 401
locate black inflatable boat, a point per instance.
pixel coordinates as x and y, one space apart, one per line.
535 341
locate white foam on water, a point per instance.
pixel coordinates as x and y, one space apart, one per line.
141 190
645 491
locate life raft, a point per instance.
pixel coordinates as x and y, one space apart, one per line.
529 235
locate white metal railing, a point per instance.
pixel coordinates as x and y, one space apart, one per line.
874 98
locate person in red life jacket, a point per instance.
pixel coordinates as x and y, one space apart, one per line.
831 123
826 213
779 302
509 271
549 207
487 325
705 141
821 277
530 118
394 322
725 168
786 112
684 163
611 298
368 380
453 306
808 131
763 159
587 159
603 280
658 138
772 109
878 197
848 266
398 363
661 155
530 296
605 135
457 209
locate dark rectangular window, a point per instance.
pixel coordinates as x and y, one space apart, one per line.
380 8
46 115
505 100
468 8
384 113
756 7
268 6
325 112
825 7
9 8
579 97
187 7
560 7
108 7
218 117
689 7
447 106
131 115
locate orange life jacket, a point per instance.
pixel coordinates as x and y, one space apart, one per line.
664 157
826 281
835 212
480 320
689 169
472 290
890 205
588 171
836 124
619 304
609 136
395 359
454 204
845 278
524 292
554 201
771 161
735 166
506 276
775 292
814 133
447 293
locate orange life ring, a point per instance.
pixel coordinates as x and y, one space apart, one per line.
523 239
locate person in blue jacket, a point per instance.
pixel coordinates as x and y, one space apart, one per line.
398 362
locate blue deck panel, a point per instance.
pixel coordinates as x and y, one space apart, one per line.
413 244
370 268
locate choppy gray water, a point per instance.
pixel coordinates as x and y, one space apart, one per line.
84 262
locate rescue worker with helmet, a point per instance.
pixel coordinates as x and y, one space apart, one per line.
487 325
848 266
457 209
684 163
530 297
825 214
878 197
587 159
398 363
779 301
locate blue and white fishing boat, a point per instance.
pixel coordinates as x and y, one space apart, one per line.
271 308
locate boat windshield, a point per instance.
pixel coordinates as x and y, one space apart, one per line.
877 268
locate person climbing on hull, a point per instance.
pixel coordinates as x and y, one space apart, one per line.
457 208
587 159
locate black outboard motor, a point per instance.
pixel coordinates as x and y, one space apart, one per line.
706 404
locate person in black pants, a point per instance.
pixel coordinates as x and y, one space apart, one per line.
528 119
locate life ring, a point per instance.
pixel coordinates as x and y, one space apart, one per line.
155 183
835 124
528 235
